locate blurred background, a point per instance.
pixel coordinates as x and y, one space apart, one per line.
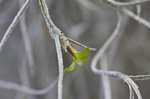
29 56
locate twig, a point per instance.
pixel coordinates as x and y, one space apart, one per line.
27 41
24 77
55 33
13 24
105 80
26 90
130 3
81 45
140 77
114 74
53 30
129 13
99 56
135 17
131 96
61 67
106 45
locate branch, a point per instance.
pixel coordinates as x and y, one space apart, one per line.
27 90
55 33
135 17
130 3
105 80
81 45
114 74
27 41
24 77
130 13
13 24
140 77
61 67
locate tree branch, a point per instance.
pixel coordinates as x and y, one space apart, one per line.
54 32
27 90
27 41
105 80
136 17
129 13
130 3
13 24
115 74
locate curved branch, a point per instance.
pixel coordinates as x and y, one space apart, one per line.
130 3
106 45
114 74
27 90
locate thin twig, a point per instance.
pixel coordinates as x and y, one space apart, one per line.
106 45
61 67
130 13
27 41
55 33
13 24
114 74
27 90
105 80
24 78
135 17
131 95
130 3
81 45
140 77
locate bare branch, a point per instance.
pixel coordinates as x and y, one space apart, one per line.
81 45
131 92
105 80
27 90
130 13
24 78
27 41
131 3
53 29
106 45
135 17
14 23
55 33
140 77
61 67
114 74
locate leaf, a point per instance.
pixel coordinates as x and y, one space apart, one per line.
81 57
78 58
86 51
71 67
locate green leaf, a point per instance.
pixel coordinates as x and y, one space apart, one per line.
81 57
78 58
71 67
86 51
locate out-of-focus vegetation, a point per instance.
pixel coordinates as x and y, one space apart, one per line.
92 25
